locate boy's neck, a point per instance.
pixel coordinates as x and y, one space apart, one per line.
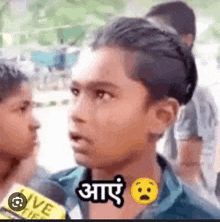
5 165
145 167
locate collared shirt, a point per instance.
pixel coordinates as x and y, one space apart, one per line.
175 200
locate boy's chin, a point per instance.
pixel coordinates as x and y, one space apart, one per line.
86 162
83 163
91 164
27 151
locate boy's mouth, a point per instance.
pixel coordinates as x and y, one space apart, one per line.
79 142
35 139
76 137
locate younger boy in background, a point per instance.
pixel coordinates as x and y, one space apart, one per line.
18 128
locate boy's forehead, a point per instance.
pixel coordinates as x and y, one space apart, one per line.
85 55
104 63
85 60
23 93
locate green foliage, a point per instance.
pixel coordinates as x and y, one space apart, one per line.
39 105
65 102
74 34
148 4
52 103
47 38
22 39
201 4
82 15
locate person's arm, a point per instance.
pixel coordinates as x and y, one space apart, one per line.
217 163
189 159
189 144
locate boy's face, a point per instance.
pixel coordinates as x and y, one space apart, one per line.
18 128
109 110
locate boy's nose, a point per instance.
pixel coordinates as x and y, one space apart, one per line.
35 123
80 112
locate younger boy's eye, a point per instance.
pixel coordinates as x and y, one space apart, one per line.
75 91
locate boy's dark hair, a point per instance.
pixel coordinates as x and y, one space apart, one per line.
10 79
180 16
163 65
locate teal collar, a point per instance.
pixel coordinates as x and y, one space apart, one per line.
171 190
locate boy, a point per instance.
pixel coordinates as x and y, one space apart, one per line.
126 92
18 128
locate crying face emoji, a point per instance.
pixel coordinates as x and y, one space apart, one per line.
144 191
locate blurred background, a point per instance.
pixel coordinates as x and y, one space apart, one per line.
44 38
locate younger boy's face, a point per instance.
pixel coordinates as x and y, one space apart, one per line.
18 128
108 118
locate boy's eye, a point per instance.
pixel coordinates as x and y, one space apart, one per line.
75 91
103 94
23 109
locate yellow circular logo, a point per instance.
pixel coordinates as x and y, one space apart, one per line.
144 191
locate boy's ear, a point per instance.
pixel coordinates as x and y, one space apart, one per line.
162 115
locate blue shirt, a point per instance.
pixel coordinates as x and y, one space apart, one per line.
175 201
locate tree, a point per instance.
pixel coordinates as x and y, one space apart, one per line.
75 17
3 8
80 15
